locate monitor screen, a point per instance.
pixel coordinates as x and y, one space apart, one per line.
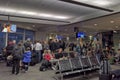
80 35
9 28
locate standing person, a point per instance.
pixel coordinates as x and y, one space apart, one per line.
46 45
119 45
22 48
27 44
17 55
77 49
62 44
4 28
52 45
9 51
8 28
38 48
27 59
82 47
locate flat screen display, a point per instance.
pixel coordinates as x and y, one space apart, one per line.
80 35
9 28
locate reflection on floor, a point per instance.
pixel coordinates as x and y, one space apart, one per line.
35 74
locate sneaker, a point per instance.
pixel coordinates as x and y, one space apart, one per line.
16 73
25 71
53 68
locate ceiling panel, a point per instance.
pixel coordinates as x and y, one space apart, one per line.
75 13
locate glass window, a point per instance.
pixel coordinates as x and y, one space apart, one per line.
2 40
15 36
29 37
20 30
29 32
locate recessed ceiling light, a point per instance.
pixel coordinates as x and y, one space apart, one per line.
116 26
95 24
112 21
33 25
115 31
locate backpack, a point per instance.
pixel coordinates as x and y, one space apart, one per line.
44 65
17 53
27 44
42 68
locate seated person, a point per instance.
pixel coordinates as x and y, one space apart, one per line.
72 55
59 54
46 59
89 52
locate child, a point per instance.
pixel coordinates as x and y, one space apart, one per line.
26 59
47 55
46 60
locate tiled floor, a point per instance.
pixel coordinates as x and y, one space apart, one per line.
32 74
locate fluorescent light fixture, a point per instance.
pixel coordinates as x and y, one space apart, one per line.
53 16
112 21
23 12
10 10
61 17
27 12
45 15
101 2
7 10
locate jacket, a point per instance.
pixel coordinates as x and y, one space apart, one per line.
27 56
17 52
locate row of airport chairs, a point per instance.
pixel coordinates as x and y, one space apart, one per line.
77 65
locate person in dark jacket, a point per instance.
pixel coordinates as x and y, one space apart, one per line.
53 46
26 59
27 44
17 55
9 50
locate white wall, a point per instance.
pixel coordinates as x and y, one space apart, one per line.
39 35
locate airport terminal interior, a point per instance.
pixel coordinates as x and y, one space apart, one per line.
59 39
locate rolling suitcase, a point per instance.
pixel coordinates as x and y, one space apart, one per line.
115 74
105 77
105 74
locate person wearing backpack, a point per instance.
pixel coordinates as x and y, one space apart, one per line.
27 44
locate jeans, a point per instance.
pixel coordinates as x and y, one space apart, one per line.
26 65
39 55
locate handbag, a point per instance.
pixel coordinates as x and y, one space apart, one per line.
10 57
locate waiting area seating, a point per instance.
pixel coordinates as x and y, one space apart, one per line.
77 65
